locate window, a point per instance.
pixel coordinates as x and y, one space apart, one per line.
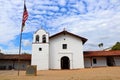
44 38
94 61
37 38
64 46
40 49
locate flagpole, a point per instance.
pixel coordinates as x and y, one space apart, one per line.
19 51
21 39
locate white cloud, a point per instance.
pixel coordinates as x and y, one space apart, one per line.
101 23
8 31
9 27
62 2
63 10
47 7
80 6
11 49
26 42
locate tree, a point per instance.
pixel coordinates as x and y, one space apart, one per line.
25 53
116 46
100 45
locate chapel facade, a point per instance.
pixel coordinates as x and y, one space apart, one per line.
63 50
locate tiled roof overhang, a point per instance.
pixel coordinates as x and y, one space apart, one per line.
101 53
15 57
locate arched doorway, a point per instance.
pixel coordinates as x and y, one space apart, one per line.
65 63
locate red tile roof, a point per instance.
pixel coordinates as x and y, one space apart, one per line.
15 57
101 53
86 54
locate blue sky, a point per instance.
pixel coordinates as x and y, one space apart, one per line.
96 20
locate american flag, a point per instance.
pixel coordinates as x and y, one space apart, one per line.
25 16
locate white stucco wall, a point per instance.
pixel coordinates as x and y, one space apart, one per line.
100 61
74 51
40 57
87 62
117 61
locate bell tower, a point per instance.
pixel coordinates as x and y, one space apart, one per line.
40 50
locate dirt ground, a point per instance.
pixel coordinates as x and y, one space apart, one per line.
104 73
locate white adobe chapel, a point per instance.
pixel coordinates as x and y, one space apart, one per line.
63 50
